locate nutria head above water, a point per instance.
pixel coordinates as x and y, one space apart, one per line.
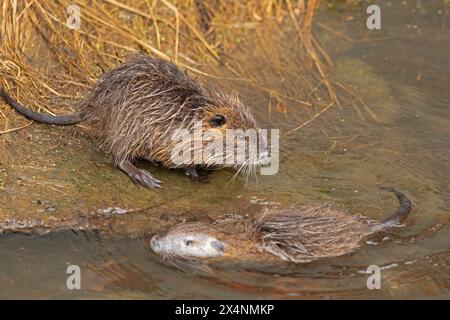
297 234
189 240
145 108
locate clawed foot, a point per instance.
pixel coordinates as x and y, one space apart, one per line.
145 179
140 176
195 176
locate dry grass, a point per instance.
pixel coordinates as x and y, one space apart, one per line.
45 64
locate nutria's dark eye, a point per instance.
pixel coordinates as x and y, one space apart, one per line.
189 242
217 121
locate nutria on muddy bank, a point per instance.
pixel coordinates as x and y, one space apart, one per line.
134 109
298 234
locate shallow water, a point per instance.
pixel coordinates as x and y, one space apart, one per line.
401 138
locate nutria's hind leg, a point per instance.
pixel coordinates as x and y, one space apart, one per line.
139 176
195 176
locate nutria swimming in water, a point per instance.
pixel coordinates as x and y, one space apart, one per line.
134 109
297 234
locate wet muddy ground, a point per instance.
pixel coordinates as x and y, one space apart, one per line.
53 180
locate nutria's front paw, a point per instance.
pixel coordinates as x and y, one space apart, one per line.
196 177
139 176
145 179
199 178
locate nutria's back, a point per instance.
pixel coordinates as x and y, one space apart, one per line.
312 233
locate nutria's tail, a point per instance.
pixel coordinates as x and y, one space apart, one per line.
401 213
39 117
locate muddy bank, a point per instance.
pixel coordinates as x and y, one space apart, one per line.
50 176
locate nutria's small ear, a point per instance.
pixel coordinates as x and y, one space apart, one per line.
217 120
